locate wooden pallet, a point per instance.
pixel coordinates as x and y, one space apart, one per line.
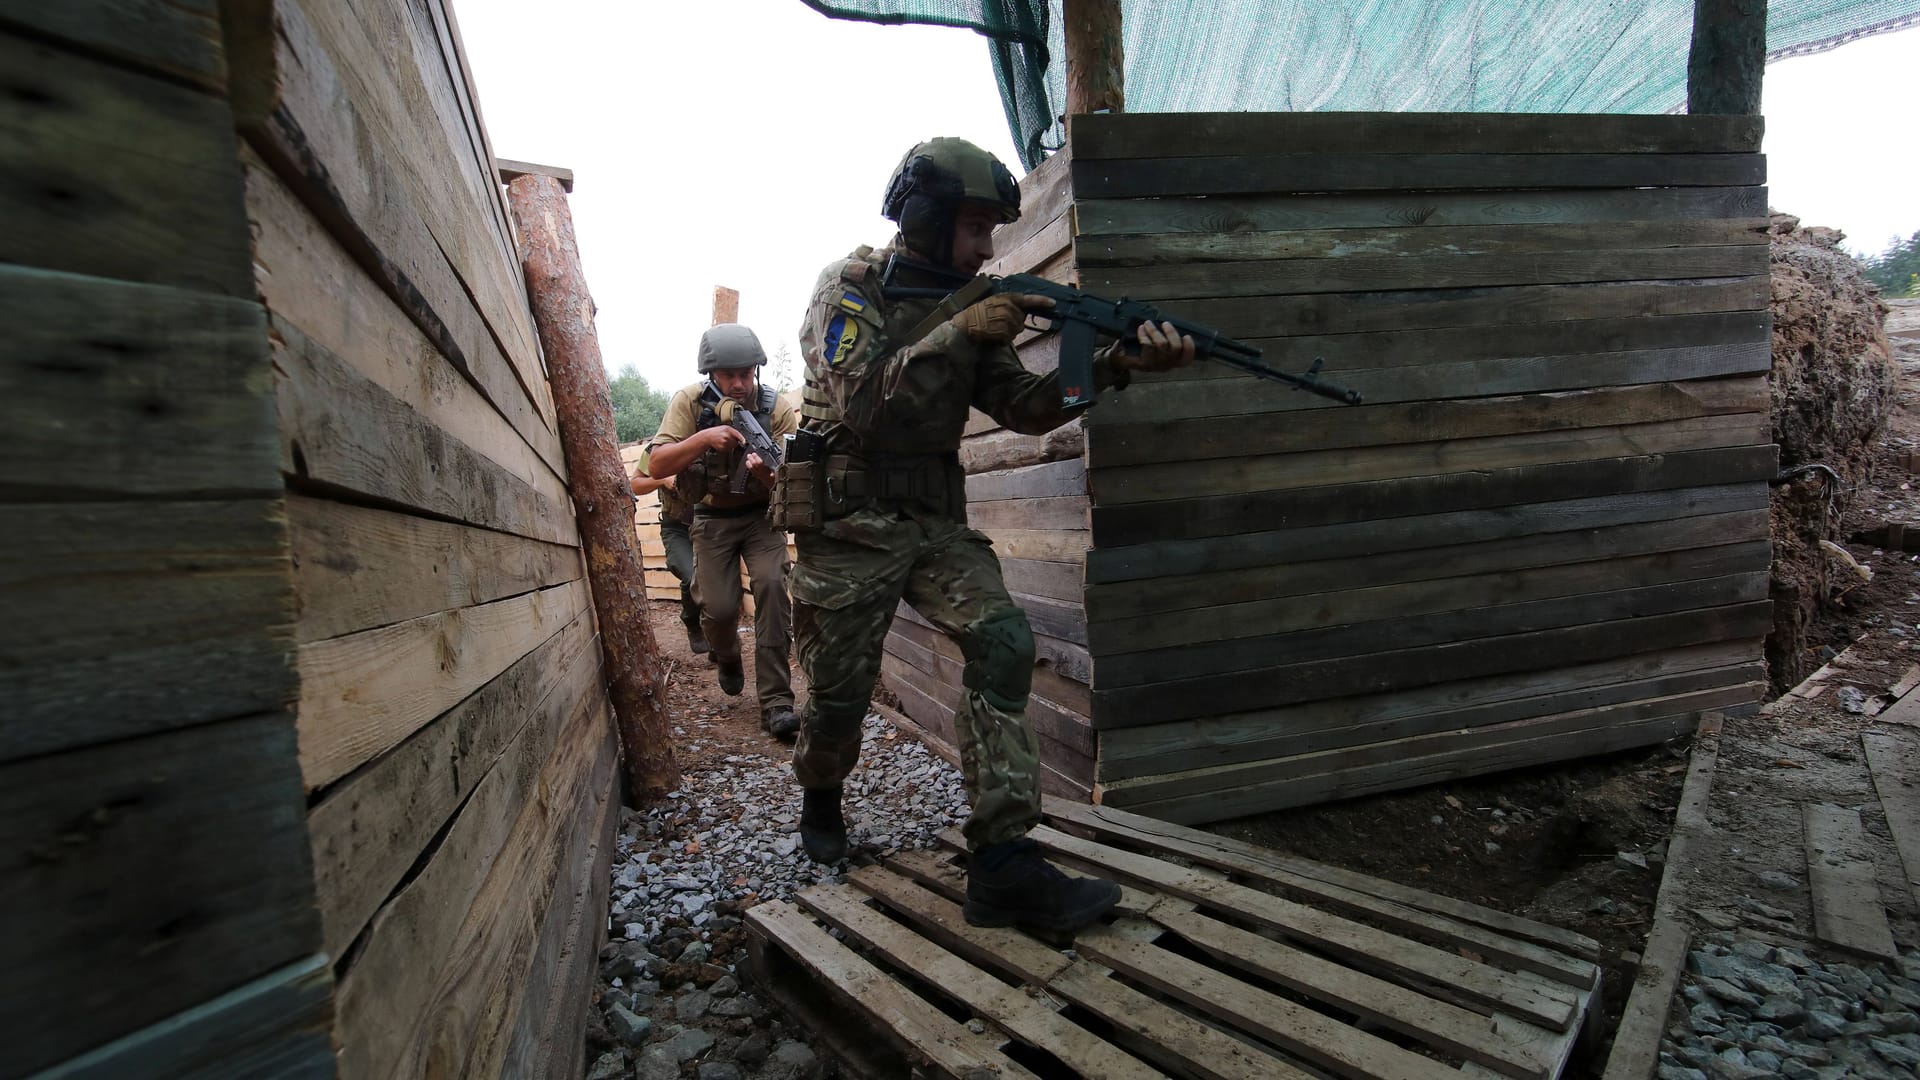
1222 960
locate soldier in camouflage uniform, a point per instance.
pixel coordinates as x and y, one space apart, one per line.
888 386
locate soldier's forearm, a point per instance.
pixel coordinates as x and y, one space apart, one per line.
669 458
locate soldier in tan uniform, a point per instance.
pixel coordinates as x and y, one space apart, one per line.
697 445
888 386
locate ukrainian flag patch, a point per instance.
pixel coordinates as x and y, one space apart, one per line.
842 332
853 302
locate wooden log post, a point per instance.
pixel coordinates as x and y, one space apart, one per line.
603 502
726 305
1096 55
1727 58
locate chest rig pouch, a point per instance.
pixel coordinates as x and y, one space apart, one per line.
712 472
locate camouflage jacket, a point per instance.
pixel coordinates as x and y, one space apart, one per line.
869 393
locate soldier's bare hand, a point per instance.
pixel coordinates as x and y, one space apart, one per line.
1162 348
760 469
997 320
721 437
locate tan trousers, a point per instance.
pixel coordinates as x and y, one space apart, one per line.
720 545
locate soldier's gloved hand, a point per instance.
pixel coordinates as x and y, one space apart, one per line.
997 320
1162 348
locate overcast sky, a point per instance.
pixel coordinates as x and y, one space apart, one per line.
747 144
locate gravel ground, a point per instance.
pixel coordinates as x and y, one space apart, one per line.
674 996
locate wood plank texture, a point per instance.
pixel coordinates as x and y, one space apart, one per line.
1262 173
340 430
117 174
1896 779
276 1025
356 567
368 831
1147 135
177 39
201 604
1847 910
210 822
454 947
154 369
361 694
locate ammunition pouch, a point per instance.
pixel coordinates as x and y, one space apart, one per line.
933 483
799 496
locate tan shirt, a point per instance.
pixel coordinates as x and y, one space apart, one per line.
682 420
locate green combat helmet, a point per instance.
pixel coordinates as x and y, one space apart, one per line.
729 345
933 180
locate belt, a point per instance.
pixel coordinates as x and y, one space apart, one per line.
704 510
898 478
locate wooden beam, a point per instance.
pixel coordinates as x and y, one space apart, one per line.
1096 56
511 170
1728 55
726 305
563 315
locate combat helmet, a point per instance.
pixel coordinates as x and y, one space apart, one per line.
933 180
729 345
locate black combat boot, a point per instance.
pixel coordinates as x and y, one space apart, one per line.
822 830
732 676
697 641
781 722
1010 884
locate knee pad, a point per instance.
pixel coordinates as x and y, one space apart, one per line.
999 651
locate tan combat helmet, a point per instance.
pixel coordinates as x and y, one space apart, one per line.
729 345
933 180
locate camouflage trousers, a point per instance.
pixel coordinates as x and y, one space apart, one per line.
850 576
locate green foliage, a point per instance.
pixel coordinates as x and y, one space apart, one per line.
1897 269
637 407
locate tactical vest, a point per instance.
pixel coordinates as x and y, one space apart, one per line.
712 472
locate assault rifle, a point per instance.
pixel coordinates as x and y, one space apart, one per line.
1084 318
741 419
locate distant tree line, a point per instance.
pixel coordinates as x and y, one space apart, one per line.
1897 269
637 407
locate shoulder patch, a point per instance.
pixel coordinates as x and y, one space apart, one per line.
842 332
852 301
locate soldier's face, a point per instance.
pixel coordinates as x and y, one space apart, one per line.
737 383
973 238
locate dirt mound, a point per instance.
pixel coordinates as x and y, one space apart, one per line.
1832 381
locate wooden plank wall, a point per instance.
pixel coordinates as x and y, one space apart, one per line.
1545 533
1029 494
158 898
454 736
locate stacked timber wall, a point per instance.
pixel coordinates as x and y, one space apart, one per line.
1029 493
454 733
1545 534
157 916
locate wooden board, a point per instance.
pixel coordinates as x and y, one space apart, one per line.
1147 442
454 946
304 120
276 1025
1401 669
1215 742
361 694
356 567
370 830
1148 135
154 370
117 174
208 820
1847 910
310 280
1115 526
1896 778
175 40
340 430
1152 560
1333 248
1266 172
1434 209
200 598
